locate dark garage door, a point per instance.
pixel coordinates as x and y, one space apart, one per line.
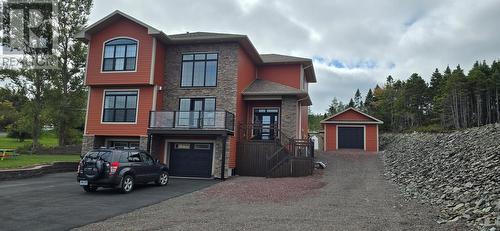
191 159
351 137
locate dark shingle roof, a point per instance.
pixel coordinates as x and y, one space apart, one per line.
260 87
265 87
209 37
276 58
204 35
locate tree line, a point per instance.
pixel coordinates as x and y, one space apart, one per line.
450 100
34 97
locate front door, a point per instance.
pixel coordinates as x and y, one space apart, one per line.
266 123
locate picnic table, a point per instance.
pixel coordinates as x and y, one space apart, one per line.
7 153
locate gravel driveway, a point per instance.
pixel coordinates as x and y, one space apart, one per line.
351 194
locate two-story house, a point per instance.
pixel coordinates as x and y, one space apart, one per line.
190 98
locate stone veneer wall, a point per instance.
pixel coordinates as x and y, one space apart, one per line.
224 92
87 143
289 116
143 143
218 157
227 71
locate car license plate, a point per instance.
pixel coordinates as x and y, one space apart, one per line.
84 182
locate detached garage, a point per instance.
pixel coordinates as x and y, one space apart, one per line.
351 129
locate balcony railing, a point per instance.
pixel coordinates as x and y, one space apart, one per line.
207 120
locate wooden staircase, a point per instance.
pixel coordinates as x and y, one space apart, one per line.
293 158
279 157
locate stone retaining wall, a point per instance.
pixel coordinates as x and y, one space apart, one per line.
13 174
459 172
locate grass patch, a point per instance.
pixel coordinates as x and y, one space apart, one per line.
48 139
31 160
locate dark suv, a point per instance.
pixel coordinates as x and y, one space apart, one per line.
122 169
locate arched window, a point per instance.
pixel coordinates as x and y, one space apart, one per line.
120 55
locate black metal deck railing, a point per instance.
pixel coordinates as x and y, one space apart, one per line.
209 120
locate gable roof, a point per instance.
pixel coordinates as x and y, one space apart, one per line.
273 59
373 120
116 15
260 87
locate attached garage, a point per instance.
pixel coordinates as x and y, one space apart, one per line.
351 129
191 159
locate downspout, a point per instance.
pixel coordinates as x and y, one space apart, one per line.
300 113
223 167
149 143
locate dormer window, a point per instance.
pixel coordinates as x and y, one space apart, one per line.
120 55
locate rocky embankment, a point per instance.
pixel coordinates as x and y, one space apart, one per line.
458 172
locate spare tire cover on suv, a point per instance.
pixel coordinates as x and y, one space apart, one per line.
94 164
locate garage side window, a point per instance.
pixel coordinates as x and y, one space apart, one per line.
120 55
120 106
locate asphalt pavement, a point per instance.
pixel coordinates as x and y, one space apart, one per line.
57 202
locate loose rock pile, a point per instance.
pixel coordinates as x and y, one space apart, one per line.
459 172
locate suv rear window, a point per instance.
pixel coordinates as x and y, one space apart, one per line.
130 157
103 155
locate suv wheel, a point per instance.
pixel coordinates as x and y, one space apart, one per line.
127 184
89 188
162 179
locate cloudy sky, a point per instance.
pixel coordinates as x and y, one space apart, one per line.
354 44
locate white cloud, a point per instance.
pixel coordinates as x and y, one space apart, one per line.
399 37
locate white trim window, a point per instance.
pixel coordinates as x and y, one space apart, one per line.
120 106
120 55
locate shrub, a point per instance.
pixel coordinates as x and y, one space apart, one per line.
431 128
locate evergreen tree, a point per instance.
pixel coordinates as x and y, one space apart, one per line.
450 100
435 92
351 103
335 107
358 101
436 83
368 101
416 100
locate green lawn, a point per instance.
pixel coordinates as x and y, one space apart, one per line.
47 140
31 160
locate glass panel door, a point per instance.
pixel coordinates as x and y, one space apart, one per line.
196 108
265 123
183 115
196 112
209 112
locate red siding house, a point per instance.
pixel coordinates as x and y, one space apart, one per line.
193 100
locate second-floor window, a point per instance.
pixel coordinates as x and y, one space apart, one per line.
120 106
120 55
199 70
